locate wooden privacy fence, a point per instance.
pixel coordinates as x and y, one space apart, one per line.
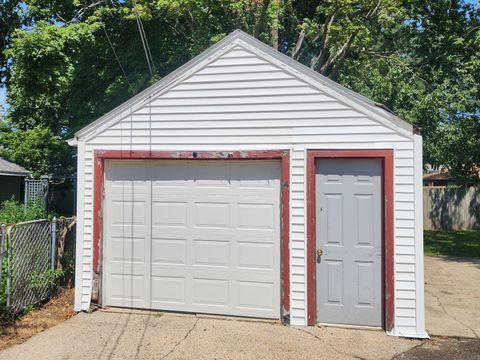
451 209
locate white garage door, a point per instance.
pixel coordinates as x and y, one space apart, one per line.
197 236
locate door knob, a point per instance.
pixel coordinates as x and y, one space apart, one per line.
319 252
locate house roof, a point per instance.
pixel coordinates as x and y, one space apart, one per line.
372 108
438 175
8 168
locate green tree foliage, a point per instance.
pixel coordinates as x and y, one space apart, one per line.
10 20
421 59
38 149
46 60
427 70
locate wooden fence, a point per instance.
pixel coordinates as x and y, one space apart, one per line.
451 209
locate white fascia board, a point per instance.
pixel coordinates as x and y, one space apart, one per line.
14 174
72 142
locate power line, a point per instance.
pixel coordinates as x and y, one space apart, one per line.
146 41
118 60
143 37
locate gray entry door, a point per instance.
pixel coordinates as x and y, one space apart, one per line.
349 232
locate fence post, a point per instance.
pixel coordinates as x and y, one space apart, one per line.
2 249
54 242
9 249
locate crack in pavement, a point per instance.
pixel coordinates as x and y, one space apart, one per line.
181 340
451 316
330 345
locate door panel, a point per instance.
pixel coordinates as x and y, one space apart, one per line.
127 250
349 231
208 232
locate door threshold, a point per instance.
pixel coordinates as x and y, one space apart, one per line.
347 326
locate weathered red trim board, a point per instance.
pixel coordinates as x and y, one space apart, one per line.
386 155
284 155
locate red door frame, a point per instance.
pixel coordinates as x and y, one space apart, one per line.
386 156
284 155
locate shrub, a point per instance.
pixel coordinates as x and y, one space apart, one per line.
12 212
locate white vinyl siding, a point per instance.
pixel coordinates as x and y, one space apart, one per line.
240 101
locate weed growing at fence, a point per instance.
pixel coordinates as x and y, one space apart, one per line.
48 278
12 212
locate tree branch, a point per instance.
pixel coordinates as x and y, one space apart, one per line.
324 42
299 44
339 57
261 22
373 12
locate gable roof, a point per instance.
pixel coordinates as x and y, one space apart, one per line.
371 108
8 168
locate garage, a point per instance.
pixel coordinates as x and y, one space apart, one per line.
246 184
196 236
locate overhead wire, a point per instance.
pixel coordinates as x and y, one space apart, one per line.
118 60
143 37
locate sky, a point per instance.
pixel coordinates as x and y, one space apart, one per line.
2 96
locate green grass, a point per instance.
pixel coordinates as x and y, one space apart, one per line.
452 243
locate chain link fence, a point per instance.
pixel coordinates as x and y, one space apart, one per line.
30 266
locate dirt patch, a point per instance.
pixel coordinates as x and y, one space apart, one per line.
444 349
56 310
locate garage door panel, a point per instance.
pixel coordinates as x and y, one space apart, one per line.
210 174
247 235
256 216
212 214
210 292
211 253
256 255
128 212
169 213
168 289
256 174
256 295
169 251
128 232
169 175
128 269
130 250
126 290
213 236
129 170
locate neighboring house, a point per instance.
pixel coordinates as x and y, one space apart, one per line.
244 183
11 180
443 178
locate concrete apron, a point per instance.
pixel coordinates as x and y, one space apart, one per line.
149 335
452 296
